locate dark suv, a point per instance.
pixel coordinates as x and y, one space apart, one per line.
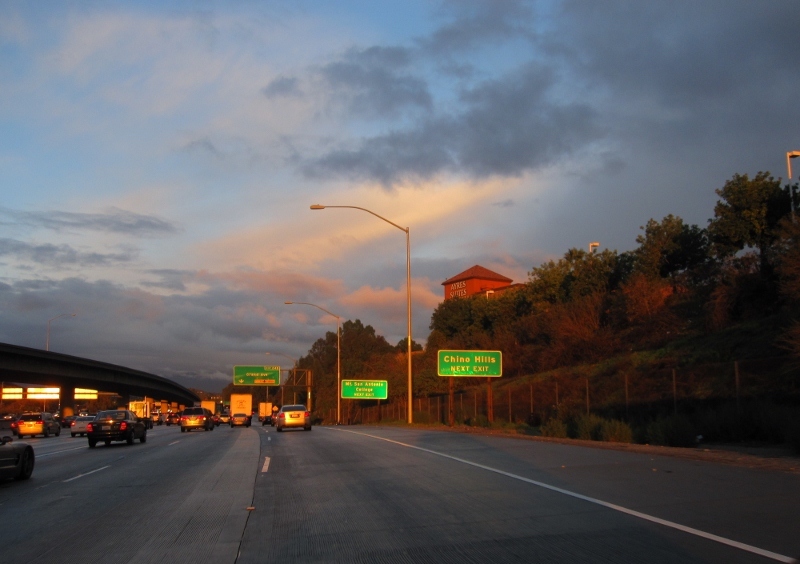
196 418
38 424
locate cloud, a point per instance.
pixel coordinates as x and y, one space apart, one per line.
62 255
509 126
283 86
113 220
376 82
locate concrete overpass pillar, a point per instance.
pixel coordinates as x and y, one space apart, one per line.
67 400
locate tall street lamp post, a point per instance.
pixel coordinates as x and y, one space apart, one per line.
408 292
789 156
47 337
338 358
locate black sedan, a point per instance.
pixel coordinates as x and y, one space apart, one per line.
116 425
16 459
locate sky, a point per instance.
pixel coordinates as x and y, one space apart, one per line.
158 160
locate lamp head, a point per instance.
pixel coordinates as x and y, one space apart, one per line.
288 303
317 207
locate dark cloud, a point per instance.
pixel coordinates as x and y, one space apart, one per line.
504 204
507 127
52 255
112 221
283 86
168 279
376 82
473 23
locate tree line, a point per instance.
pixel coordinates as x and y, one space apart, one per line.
680 284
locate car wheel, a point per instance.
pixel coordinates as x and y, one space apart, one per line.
107 442
183 430
306 428
58 432
26 464
143 438
279 429
73 435
92 443
46 433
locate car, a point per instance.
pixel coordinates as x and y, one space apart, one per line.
156 419
266 421
225 418
79 424
173 418
196 418
39 423
16 459
240 420
66 422
293 416
215 418
116 425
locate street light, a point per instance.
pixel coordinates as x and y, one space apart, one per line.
789 156
338 358
47 337
408 292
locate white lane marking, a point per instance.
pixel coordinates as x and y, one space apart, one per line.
87 473
59 451
266 464
173 443
645 516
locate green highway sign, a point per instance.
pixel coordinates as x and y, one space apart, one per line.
365 389
257 375
470 363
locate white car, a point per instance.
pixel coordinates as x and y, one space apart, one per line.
78 426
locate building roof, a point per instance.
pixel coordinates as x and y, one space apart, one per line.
480 272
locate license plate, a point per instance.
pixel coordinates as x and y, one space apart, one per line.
294 415
106 427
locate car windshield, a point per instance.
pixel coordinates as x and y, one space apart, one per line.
30 417
294 408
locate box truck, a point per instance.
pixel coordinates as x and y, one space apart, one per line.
242 403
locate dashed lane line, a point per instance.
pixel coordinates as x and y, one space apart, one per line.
87 473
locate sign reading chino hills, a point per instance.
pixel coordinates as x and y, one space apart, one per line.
470 363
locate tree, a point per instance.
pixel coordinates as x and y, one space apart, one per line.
669 247
578 274
747 217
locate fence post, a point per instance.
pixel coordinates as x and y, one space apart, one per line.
674 391
509 404
627 400
490 400
736 377
587 396
531 398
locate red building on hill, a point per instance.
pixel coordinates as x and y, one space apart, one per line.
476 280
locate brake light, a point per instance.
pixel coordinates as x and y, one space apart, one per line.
281 416
88 427
72 424
123 426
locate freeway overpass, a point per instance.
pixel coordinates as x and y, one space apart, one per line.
35 366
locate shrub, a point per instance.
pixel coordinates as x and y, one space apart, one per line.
615 431
587 427
674 430
554 428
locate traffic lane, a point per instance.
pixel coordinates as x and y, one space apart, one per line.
139 503
338 496
754 506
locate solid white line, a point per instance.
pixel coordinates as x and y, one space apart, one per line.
173 443
86 474
266 464
646 517
59 451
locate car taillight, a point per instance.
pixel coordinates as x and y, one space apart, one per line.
39 422
72 424
88 427
202 418
184 418
281 416
123 426
308 414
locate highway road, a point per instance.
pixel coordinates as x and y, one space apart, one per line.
385 494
